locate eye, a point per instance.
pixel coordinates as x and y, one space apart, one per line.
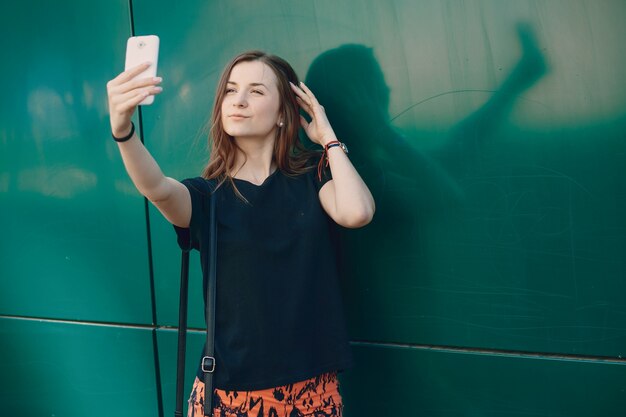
257 92
230 90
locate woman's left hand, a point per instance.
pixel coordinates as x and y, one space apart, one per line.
318 129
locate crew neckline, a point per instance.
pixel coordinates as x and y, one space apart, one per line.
258 185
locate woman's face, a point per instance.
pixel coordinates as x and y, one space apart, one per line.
250 107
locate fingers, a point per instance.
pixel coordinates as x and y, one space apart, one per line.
309 93
304 106
130 73
126 92
126 81
124 102
306 99
301 94
134 101
134 84
304 123
121 99
305 94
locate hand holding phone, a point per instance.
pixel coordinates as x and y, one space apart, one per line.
136 85
140 49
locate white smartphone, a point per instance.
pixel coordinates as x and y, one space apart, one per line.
140 49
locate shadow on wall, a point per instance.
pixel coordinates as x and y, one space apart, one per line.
492 237
406 182
350 84
427 237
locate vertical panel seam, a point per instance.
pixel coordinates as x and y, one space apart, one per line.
155 346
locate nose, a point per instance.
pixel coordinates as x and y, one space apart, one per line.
240 100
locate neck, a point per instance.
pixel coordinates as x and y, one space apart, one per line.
258 162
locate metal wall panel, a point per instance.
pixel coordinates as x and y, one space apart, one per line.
73 240
73 226
75 370
392 381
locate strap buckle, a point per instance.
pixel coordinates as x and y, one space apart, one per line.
210 367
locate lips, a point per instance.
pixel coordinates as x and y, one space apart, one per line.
238 116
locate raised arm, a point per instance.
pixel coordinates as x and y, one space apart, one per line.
168 195
345 198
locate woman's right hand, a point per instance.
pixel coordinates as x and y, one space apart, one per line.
125 94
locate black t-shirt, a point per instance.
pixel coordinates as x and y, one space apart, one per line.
279 313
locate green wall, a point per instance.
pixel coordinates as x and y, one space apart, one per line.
492 281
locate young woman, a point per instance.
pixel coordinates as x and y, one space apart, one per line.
280 335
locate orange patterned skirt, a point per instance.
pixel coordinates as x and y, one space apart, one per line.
316 397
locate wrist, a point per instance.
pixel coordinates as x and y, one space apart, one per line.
325 141
124 135
329 145
122 131
335 144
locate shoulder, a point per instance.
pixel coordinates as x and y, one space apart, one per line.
199 185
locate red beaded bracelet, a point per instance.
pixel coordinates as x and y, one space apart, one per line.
329 145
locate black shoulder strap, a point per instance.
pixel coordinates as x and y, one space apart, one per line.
208 361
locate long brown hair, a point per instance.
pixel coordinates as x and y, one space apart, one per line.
290 155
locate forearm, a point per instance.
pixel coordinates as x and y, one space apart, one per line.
348 200
143 169
353 200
